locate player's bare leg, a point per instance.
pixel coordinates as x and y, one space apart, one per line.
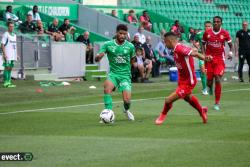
126 104
167 106
217 92
194 102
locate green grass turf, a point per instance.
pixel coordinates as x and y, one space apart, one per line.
72 137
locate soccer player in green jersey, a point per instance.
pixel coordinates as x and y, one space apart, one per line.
198 45
120 55
8 44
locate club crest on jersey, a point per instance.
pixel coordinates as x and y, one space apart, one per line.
125 51
208 36
221 36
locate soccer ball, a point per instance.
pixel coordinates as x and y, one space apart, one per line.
107 116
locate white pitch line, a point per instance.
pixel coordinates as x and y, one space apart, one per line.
95 104
74 106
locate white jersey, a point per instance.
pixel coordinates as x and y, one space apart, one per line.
9 42
11 16
35 17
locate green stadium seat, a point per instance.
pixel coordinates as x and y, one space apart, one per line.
155 28
161 27
167 27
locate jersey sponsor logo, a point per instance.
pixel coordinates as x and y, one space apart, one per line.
125 51
125 84
181 92
208 36
215 44
120 60
11 41
178 65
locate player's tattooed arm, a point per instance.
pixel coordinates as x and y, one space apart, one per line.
99 57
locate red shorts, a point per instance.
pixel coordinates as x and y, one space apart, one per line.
184 89
215 67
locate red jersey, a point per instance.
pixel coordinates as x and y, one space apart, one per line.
185 64
215 42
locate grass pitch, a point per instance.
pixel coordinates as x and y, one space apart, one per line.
60 127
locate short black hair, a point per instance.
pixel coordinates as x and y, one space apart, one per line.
8 7
138 48
35 6
218 17
207 22
145 11
170 34
9 22
65 19
121 27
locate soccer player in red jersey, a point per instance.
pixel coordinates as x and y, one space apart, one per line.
184 61
213 43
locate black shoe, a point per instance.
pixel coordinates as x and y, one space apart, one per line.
241 80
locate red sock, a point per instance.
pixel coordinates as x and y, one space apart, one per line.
194 102
217 92
166 108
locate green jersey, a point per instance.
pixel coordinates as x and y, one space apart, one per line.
198 37
119 56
